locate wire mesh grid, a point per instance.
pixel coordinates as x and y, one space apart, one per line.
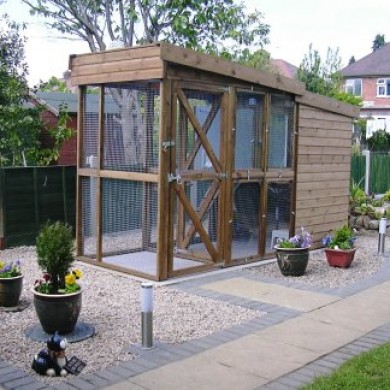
249 130
280 132
278 213
246 219
131 127
88 215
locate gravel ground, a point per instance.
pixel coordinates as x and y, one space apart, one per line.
320 274
111 304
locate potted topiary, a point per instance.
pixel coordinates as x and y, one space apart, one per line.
57 294
293 254
340 247
11 283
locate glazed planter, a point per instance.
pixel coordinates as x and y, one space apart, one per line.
339 257
58 312
10 290
292 261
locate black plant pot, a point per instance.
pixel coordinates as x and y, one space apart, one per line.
10 290
292 261
58 312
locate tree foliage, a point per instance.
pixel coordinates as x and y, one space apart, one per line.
53 85
197 24
324 77
378 42
379 142
20 121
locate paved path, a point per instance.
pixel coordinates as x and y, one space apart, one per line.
306 332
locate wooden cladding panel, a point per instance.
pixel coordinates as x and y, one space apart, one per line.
120 65
323 170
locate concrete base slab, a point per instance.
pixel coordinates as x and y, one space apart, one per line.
277 295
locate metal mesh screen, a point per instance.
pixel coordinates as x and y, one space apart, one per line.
246 218
281 125
129 218
131 127
90 139
88 193
278 213
249 125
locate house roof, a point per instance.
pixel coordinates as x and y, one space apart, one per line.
376 63
284 68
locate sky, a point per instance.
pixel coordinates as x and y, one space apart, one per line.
349 25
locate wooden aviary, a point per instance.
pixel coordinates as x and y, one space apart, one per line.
190 162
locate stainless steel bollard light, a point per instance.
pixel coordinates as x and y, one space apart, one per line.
147 314
382 232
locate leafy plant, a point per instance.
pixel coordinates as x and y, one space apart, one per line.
356 193
343 238
386 196
10 269
54 248
301 240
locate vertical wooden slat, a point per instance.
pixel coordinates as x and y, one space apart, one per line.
164 211
295 165
99 230
228 145
172 134
79 200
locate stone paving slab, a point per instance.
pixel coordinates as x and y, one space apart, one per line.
277 295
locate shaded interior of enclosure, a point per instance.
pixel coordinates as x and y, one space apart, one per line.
181 169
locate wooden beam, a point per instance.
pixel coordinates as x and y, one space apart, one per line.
79 195
121 175
328 104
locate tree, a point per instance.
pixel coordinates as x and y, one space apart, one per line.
218 27
196 24
20 122
324 77
53 85
378 42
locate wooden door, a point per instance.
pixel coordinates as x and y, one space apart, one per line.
197 171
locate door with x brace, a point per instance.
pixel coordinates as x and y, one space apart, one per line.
197 171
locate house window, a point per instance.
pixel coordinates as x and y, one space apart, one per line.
354 86
383 87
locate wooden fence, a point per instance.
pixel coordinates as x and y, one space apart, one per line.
31 196
379 173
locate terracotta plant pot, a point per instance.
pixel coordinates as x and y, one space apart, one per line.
292 261
58 312
10 290
339 257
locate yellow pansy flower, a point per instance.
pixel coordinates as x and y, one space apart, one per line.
78 273
70 279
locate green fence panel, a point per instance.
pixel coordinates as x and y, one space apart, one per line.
31 196
358 170
379 173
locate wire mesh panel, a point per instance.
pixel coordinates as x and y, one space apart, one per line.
89 222
249 125
90 133
280 132
131 127
246 219
278 213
